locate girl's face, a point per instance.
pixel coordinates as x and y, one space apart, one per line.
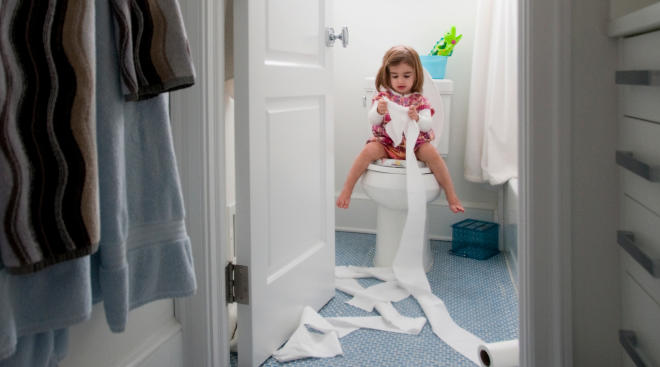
402 77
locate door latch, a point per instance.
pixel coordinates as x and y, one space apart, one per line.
330 36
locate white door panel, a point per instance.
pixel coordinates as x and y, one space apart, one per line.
285 168
293 31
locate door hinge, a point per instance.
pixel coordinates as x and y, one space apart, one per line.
236 284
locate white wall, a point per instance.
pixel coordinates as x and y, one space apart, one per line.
595 262
622 7
375 26
148 329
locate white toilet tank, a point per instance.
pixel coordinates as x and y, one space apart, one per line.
446 89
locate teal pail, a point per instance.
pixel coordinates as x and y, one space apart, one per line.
435 65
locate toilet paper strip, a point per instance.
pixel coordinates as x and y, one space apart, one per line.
384 274
408 278
500 354
348 286
410 325
324 341
305 343
367 299
406 325
408 267
398 123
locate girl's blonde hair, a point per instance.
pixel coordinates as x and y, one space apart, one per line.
394 56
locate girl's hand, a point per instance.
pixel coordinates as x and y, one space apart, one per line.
412 113
456 208
454 204
382 107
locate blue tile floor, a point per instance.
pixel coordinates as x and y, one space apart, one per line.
478 293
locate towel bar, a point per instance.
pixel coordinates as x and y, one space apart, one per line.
626 239
638 77
628 341
628 161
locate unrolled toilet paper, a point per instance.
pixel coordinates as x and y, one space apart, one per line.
409 269
367 298
398 123
500 354
384 274
305 343
406 277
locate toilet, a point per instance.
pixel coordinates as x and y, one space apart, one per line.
385 182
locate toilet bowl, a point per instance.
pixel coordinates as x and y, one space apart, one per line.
386 185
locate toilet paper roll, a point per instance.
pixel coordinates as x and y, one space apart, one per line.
500 354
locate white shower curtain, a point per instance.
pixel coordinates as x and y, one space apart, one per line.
491 149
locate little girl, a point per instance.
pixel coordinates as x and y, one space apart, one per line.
401 78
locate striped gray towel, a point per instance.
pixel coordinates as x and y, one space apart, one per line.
49 206
49 180
153 47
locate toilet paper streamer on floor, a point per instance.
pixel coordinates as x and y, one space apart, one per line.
323 342
319 337
409 270
408 278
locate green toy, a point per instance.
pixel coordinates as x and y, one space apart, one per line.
445 47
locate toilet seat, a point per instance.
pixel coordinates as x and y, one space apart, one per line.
395 166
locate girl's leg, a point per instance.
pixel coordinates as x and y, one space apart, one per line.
429 155
369 153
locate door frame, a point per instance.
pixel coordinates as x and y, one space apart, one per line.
197 115
544 231
544 142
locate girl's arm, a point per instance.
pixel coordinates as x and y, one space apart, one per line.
373 116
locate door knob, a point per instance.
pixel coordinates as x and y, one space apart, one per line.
330 36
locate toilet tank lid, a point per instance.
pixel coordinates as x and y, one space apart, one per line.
444 86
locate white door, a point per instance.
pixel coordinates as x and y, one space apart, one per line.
284 166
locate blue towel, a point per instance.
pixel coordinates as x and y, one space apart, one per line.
45 349
33 304
144 253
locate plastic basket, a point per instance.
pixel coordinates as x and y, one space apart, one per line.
435 65
475 239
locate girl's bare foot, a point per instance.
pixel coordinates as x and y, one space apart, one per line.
344 199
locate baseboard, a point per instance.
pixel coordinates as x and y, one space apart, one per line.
512 265
361 216
373 231
163 348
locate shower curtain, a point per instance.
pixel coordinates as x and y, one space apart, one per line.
491 149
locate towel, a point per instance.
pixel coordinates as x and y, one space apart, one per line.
144 253
45 349
153 47
33 305
49 198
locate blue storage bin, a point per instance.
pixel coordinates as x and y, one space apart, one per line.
475 239
435 65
